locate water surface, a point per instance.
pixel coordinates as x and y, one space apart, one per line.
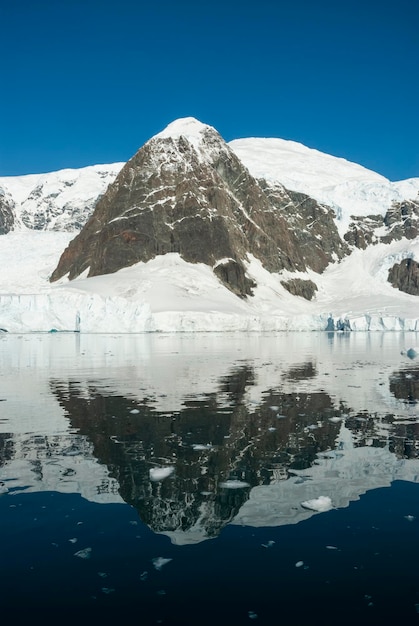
165 478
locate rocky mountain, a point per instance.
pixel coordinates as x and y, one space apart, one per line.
186 191
295 210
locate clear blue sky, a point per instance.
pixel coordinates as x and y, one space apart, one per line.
89 81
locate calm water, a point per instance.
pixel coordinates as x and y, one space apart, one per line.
177 479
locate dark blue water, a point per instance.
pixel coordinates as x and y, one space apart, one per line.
360 565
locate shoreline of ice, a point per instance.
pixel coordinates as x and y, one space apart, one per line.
75 312
168 294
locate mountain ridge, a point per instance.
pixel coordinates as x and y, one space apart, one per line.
297 167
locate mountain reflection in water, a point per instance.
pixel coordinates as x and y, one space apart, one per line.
281 418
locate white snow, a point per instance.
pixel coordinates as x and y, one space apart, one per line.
168 294
187 127
349 188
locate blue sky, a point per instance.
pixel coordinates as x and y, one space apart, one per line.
89 81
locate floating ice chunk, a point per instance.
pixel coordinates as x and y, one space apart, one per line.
335 419
409 518
269 544
299 564
134 411
160 473
3 488
234 484
159 562
252 615
331 547
107 590
202 446
144 575
86 553
273 407
322 503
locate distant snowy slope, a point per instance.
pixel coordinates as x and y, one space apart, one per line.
349 188
61 200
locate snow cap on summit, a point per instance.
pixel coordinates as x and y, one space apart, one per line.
188 127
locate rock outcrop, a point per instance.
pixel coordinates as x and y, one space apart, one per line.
405 276
300 287
6 214
400 220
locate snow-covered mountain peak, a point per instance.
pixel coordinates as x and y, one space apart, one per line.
188 127
204 140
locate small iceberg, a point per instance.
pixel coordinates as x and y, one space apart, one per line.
234 484
84 554
412 353
321 504
160 473
159 561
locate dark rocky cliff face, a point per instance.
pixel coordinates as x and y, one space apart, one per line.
6 215
197 199
401 220
405 276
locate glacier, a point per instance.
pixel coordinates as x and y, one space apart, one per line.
168 294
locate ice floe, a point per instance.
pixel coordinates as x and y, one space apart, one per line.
159 562
322 503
